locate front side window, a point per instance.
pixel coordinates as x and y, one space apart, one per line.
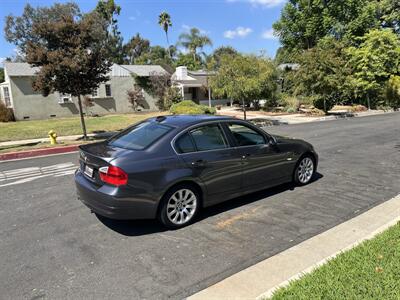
140 136
245 136
208 137
108 90
7 99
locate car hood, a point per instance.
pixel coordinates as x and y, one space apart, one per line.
288 140
283 139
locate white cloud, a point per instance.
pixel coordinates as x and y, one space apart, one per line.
263 3
134 17
238 32
268 34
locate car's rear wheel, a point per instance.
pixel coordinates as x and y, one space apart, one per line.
305 170
179 206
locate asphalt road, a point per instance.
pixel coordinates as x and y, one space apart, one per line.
51 246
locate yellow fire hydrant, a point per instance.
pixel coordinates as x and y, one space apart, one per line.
53 137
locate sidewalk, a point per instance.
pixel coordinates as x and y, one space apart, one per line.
262 279
60 139
290 118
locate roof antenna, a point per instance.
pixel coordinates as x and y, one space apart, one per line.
160 118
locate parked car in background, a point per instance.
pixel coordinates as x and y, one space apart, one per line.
169 167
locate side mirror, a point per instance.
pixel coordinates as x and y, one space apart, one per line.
272 141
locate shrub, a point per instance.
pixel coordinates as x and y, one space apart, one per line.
172 95
392 92
6 114
290 103
188 107
135 97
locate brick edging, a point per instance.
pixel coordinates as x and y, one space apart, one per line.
37 152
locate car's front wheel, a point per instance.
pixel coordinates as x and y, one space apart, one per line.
305 170
179 206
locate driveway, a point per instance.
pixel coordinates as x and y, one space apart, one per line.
52 247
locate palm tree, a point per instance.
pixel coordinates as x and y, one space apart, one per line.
164 20
194 40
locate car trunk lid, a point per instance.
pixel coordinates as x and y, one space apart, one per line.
94 156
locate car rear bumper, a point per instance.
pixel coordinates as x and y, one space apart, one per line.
105 202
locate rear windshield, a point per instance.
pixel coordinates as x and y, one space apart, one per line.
139 136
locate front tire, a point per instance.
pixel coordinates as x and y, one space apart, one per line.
305 170
179 206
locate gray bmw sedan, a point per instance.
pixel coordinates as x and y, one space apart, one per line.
169 167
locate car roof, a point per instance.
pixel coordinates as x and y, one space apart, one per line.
188 120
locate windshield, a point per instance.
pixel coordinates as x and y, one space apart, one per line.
139 136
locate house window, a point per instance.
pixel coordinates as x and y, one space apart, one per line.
65 98
108 90
95 93
7 99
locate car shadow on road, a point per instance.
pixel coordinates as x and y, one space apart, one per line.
145 227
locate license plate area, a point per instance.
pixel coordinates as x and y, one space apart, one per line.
88 171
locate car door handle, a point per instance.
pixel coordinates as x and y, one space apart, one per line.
244 156
199 163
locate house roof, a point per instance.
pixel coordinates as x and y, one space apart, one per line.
289 66
19 69
193 78
145 70
24 69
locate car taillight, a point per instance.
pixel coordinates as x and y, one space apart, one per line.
113 175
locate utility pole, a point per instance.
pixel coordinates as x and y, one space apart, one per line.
244 110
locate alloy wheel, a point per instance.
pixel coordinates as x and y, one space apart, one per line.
305 170
181 206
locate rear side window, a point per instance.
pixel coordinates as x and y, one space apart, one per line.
140 136
209 137
185 144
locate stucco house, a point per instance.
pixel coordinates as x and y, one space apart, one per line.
194 86
111 97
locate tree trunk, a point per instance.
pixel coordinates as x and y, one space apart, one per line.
169 50
244 110
194 55
82 118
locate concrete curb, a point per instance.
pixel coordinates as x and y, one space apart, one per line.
262 279
38 152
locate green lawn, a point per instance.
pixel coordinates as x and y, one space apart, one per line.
67 126
369 271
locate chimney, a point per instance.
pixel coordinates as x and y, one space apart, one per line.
181 73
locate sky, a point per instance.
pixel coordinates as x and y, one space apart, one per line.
244 24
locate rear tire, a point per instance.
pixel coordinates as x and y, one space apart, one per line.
305 170
179 206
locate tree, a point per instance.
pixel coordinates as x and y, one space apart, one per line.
70 51
109 10
245 78
377 58
304 22
164 20
1 75
214 60
136 47
188 61
156 55
323 73
18 30
135 96
194 40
